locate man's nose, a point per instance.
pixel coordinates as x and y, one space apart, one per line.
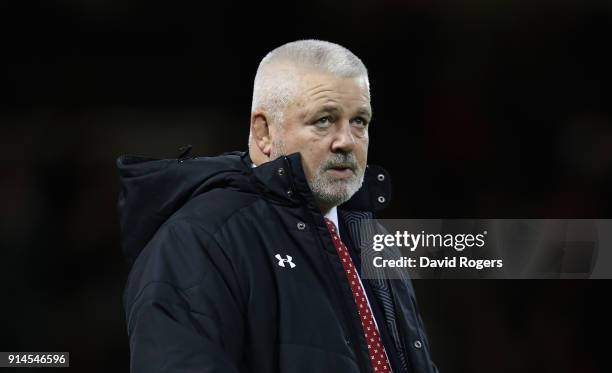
344 141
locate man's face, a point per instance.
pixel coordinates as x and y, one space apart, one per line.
328 125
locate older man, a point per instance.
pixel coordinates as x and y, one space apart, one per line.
249 262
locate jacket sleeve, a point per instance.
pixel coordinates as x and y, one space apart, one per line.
182 304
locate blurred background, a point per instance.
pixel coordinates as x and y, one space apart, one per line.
483 109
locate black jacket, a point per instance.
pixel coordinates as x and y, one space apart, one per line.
206 292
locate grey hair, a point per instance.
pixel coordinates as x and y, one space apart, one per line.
276 81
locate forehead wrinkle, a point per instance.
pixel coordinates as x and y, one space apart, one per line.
334 96
316 94
327 87
310 89
324 96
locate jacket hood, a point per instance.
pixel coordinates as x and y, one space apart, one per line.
154 189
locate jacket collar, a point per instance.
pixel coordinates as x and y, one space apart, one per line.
285 178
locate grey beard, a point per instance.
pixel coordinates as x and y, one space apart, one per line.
330 192
326 191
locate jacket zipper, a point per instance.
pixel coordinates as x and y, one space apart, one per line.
346 323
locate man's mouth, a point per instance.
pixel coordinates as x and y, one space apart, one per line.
341 171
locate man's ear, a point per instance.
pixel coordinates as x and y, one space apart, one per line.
260 128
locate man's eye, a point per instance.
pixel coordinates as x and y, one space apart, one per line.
324 121
360 122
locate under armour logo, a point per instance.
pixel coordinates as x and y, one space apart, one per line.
282 261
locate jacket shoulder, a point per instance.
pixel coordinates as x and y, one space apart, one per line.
212 209
183 252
